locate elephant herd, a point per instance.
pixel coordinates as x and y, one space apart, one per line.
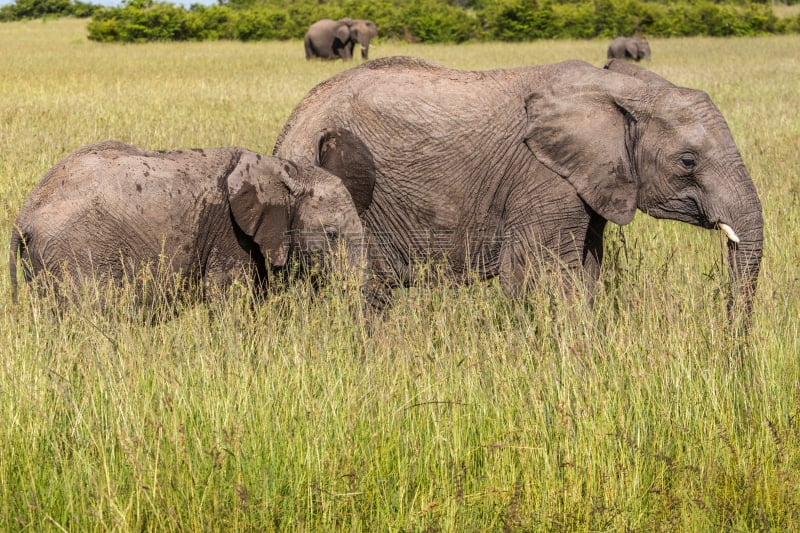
505 173
336 39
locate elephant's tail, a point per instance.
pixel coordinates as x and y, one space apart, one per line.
17 248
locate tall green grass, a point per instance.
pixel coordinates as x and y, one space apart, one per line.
460 410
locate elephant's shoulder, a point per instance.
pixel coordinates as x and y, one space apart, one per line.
104 149
321 23
83 156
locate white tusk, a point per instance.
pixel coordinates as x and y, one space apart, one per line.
729 232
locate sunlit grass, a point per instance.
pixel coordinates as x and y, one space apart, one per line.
459 410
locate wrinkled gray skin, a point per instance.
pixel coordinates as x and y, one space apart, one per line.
209 216
629 48
506 172
336 39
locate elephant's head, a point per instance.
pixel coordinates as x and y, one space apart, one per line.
626 138
642 49
299 206
362 31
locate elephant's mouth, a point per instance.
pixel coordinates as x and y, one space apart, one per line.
305 263
683 208
687 209
307 266
724 227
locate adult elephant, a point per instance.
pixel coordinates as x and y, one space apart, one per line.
510 172
629 48
205 217
336 39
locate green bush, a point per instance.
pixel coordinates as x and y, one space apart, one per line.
210 24
261 24
718 20
437 21
519 20
431 21
624 17
576 20
133 23
792 25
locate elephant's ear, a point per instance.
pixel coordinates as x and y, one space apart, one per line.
640 73
343 154
580 126
342 32
259 190
631 49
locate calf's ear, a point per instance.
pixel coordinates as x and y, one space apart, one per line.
342 33
259 192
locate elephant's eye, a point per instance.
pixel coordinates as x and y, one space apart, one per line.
688 161
331 234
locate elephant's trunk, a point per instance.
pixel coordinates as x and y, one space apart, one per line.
745 264
745 255
357 263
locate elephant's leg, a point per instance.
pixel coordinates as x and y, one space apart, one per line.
378 295
230 262
555 244
573 261
515 267
552 273
69 270
341 49
220 277
593 252
528 265
309 48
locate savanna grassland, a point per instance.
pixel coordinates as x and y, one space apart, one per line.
460 410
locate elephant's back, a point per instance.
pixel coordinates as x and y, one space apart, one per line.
321 24
96 191
387 71
104 168
164 193
386 85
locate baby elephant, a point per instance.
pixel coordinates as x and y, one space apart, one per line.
202 217
629 48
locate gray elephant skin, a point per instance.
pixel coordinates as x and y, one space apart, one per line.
336 39
633 48
508 172
204 216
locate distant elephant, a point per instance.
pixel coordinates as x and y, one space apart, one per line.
512 172
629 48
205 216
336 39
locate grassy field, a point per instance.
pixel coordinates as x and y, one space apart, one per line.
461 411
